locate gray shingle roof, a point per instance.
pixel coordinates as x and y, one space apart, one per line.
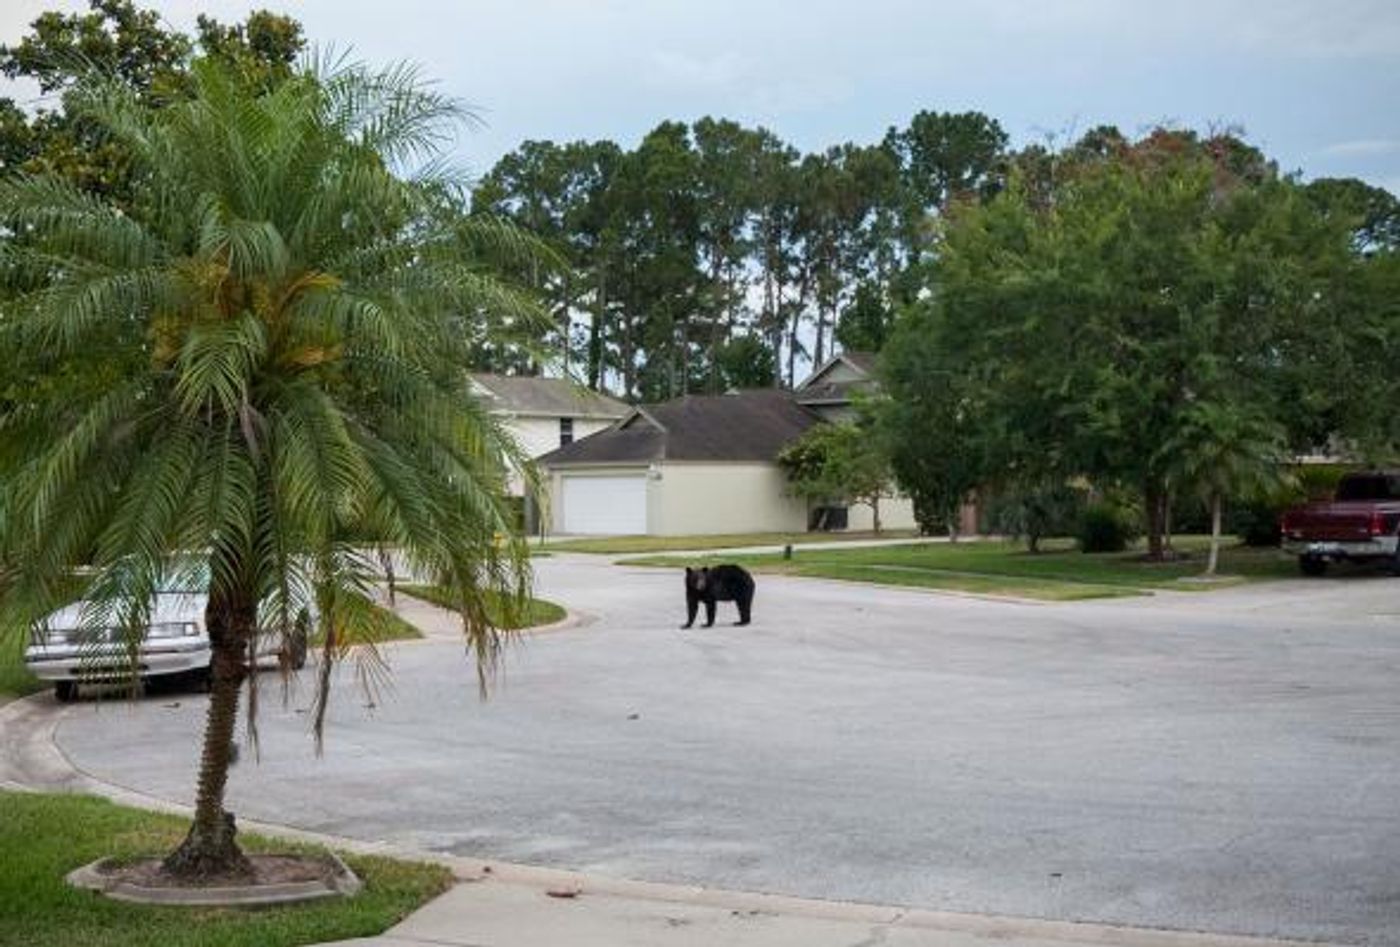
552 397
746 425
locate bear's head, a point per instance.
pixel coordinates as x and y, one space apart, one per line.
697 579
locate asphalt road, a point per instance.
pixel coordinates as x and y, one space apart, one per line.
1227 762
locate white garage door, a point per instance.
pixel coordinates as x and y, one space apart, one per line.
611 506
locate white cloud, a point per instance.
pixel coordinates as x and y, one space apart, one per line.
1362 148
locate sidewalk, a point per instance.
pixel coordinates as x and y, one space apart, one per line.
496 912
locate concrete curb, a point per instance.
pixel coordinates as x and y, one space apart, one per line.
33 762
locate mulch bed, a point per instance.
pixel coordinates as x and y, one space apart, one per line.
267 870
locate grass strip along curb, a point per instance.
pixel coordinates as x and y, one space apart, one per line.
1059 573
625 545
43 837
538 612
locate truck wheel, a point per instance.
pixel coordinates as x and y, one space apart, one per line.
1312 565
65 691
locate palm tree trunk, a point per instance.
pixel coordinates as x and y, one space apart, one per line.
1215 518
209 850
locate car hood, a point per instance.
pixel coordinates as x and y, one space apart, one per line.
166 608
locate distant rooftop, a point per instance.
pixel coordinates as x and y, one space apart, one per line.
834 380
552 397
742 426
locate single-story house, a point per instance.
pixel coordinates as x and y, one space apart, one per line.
544 414
705 464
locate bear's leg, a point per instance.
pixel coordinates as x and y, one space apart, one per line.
745 603
692 605
709 612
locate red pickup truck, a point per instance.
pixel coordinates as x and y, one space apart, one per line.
1362 522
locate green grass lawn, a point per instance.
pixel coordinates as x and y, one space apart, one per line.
621 545
388 627
1058 573
15 679
539 612
43 837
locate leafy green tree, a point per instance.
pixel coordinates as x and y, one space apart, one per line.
285 320
558 193
744 362
117 40
1086 320
838 462
774 241
865 324
727 155
929 424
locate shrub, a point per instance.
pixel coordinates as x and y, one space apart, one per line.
1104 527
1256 522
1034 512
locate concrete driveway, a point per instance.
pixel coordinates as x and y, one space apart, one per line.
1225 762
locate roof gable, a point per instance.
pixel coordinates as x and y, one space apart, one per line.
843 369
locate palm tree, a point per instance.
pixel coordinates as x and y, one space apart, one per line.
1222 450
261 362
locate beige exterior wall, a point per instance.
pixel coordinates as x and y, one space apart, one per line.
540 435
895 513
693 499
697 499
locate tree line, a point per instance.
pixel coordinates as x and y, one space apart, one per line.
713 255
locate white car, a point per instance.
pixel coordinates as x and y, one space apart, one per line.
69 651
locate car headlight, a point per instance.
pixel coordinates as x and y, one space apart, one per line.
172 629
79 636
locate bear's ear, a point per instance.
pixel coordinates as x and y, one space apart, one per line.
687 570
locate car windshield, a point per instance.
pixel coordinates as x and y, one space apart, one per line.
1371 487
185 577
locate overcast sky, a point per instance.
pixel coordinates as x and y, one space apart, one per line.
1315 84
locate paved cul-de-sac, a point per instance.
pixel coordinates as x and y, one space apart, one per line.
1224 761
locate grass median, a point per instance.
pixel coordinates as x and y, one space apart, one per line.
1057 573
538 612
43 837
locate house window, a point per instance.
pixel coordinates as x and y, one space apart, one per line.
566 431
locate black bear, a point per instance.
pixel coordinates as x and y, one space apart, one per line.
717 584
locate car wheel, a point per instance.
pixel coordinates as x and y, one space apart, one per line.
1312 565
65 691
